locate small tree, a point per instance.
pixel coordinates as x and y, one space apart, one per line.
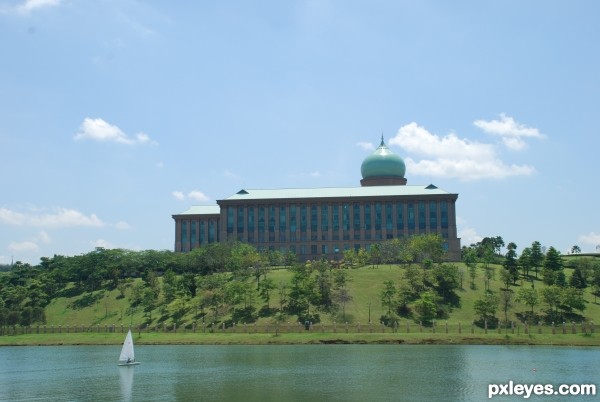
387 295
506 301
510 262
426 306
528 296
486 307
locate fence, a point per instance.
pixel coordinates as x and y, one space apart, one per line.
405 327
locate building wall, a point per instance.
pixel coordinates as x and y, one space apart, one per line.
193 231
316 228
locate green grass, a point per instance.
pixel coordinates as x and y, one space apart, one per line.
106 308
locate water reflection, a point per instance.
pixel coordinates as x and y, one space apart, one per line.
126 378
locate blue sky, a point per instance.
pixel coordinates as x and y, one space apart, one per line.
116 114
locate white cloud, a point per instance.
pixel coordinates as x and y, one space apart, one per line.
511 132
28 6
179 195
122 225
101 131
59 217
31 244
366 145
453 157
42 237
23 246
197 195
469 236
591 238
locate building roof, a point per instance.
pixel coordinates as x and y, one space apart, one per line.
382 163
335 192
202 210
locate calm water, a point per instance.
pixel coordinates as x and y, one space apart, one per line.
289 373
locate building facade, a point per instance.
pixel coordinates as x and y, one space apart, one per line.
323 222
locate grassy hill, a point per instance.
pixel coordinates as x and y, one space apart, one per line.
365 286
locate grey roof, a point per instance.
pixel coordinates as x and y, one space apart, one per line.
202 210
336 192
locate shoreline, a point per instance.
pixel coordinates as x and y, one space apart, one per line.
89 339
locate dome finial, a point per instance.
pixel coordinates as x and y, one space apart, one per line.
382 143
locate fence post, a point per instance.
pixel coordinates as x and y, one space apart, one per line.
485 325
573 329
553 329
459 329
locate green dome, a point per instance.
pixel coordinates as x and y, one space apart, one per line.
382 163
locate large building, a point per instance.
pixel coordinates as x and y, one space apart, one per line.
322 222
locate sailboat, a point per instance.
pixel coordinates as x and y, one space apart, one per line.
127 357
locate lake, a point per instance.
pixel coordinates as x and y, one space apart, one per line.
290 372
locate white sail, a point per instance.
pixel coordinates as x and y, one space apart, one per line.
127 350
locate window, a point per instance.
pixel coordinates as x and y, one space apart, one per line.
444 213
389 218
211 231
250 219
400 216
411 216
335 212
303 218
367 216
356 213
271 219
282 219
422 215
433 215
240 220
184 236
378 214
202 229
261 219
193 233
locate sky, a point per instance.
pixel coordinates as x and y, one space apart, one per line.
117 114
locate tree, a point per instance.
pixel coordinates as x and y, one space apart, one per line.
506 297
426 306
578 279
469 257
266 287
343 297
572 299
575 249
551 295
552 267
524 261
510 262
387 295
536 257
528 296
486 307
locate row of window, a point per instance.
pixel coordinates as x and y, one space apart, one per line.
324 217
320 222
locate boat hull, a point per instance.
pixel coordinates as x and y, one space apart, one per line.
129 364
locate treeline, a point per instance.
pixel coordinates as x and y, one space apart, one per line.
561 298
219 271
